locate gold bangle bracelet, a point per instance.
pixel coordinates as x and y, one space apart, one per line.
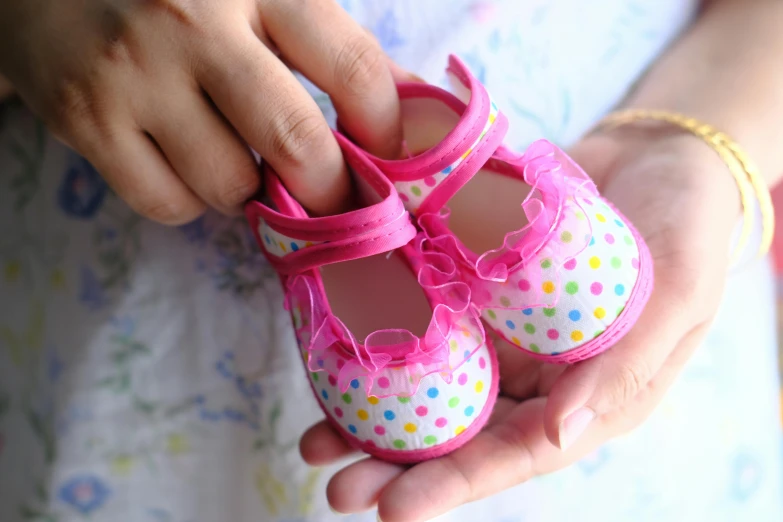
742 169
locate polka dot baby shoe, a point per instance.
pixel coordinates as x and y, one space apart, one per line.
553 267
394 350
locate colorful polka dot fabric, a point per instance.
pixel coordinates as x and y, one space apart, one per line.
595 288
277 244
571 279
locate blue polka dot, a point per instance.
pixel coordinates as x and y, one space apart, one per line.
324 395
592 241
510 324
619 289
432 393
389 415
466 355
352 428
469 411
574 315
355 384
619 223
527 311
447 170
294 246
267 239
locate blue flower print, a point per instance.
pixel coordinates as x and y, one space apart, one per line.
85 493
747 475
91 292
82 190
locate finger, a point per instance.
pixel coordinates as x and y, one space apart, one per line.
336 54
322 445
357 487
523 377
204 150
134 167
608 381
276 116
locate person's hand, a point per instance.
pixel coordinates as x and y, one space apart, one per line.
683 201
164 96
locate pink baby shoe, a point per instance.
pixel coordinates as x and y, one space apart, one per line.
395 352
554 268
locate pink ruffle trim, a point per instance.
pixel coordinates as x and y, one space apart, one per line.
391 362
532 256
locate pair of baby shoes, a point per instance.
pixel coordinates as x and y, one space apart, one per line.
390 302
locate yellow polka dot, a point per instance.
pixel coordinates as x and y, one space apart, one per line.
410 427
454 346
599 313
576 335
467 153
492 118
308 244
372 399
479 386
282 246
548 287
459 430
362 414
601 218
516 341
595 262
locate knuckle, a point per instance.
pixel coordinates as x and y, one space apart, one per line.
632 378
298 135
167 211
237 189
360 64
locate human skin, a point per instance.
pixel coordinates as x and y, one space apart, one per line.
684 202
163 97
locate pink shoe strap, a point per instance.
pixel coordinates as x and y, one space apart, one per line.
427 181
295 243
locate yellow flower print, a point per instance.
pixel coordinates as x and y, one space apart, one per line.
177 444
122 465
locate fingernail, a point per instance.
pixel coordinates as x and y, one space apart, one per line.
378 517
335 511
573 426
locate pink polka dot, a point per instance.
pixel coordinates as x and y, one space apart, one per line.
596 288
440 422
421 411
635 263
383 382
482 363
380 430
463 379
524 285
552 334
340 363
338 411
570 264
429 181
403 197
588 202
609 238
332 380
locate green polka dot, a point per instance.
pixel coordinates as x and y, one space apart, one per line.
315 376
491 314
628 240
566 237
596 334
546 263
616 262
399 443
429 440
550 312
534 348
347 398
416 190
505 301
529 328
572 287
620 310
453 402
404 400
